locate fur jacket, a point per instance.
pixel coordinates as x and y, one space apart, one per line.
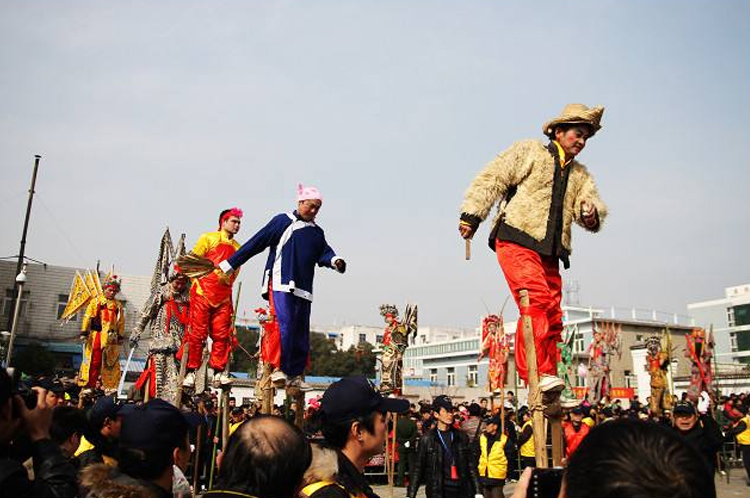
537 199
331 466
102 481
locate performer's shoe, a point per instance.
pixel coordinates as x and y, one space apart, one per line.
189 380
278 378
549 383
296 382
222 379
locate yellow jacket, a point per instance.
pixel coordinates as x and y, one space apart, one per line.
527 448
493 465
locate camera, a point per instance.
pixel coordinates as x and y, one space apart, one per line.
22 389
545 483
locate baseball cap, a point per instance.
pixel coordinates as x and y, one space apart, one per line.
105 407
684 408
493 420
355 396
156 424
577 410
442 401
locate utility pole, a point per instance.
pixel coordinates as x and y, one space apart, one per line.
20 281
22 251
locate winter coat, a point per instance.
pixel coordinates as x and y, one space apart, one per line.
538 200
332 475
102 481
54 475
430 465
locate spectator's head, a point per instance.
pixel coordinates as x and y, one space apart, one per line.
475 410
684 416
68 425
628 458
104 419
442 410
232 402
238 414
576 416
154 437
524 414
352 415
492 425
266 458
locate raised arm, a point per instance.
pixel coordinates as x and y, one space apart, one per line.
265 237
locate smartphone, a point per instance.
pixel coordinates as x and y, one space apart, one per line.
545 483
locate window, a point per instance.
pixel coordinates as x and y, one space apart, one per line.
733 342
740 315
578 347
362 338
379 339
473 376
451 376
730 317
433 376
8 303
62 302
630 379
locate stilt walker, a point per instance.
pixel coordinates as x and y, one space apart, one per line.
541 190
165 315
296 245
211 308
657 364
699 351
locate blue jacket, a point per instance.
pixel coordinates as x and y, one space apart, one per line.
296 246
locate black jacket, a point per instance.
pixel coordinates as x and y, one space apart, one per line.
706 437
54 476
429 468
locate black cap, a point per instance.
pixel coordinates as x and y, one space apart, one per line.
493 420
105 407
156 424
355 396
442 401
684 408
52 385
577 410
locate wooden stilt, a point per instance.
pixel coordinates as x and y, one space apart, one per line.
224 418
197 458
299 414
147 390
266 390
502 410
183 370
535 395
391 479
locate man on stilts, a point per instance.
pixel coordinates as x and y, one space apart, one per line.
211 308
542 189
296 245
102 332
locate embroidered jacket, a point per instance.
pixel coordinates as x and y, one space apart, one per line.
296 246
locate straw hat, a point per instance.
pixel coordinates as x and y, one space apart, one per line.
576 113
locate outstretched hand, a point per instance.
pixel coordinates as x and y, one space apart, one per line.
340 265
589 215
38 420
466 231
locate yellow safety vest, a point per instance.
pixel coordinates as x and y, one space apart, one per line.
316 486
744 436
527 449
495 464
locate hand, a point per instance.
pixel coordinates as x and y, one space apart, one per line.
133 342
589 215
82 337
466 231
704 403
340 265
523 484
37 421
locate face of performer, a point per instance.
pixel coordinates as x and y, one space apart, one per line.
685 422
308 209
179 284
110 292
231 225
573 139
576 419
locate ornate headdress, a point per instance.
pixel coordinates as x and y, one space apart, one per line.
112 281
389 309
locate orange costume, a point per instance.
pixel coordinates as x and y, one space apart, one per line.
103 325
211 307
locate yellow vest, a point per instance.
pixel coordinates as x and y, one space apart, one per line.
310 489
588 421
744 436
495 464
527 449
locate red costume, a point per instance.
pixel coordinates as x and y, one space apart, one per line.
573 438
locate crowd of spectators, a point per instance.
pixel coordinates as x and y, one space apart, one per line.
58 441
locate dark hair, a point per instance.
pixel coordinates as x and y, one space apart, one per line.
147 464
475 410
630 458
336 432
66 421
267 456
567 126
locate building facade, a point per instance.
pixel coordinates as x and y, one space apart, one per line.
730 319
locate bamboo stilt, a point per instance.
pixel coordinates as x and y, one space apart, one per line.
535 395
197 456
183 370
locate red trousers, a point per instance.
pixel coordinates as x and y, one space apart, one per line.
95 367
540 275
204 320
270 349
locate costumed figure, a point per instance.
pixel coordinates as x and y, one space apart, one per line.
542 189
567 397
166 315
395 341
102 331
496 345
211 308
598 379
268 346
297 244
699 351
657 363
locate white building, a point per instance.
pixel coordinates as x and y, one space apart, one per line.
730 318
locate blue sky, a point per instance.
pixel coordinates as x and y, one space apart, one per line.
152 114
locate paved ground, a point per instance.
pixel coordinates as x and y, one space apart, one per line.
737 487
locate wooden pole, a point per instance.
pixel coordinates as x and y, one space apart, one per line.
391 479
267 390
196 461
467 249
147 390
502 410
183 369
225 419
535 395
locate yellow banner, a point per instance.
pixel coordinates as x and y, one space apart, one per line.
79 296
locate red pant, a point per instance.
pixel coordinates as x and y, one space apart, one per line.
95 367
271 347
205 318
540 275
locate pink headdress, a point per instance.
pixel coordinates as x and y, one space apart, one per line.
308 193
